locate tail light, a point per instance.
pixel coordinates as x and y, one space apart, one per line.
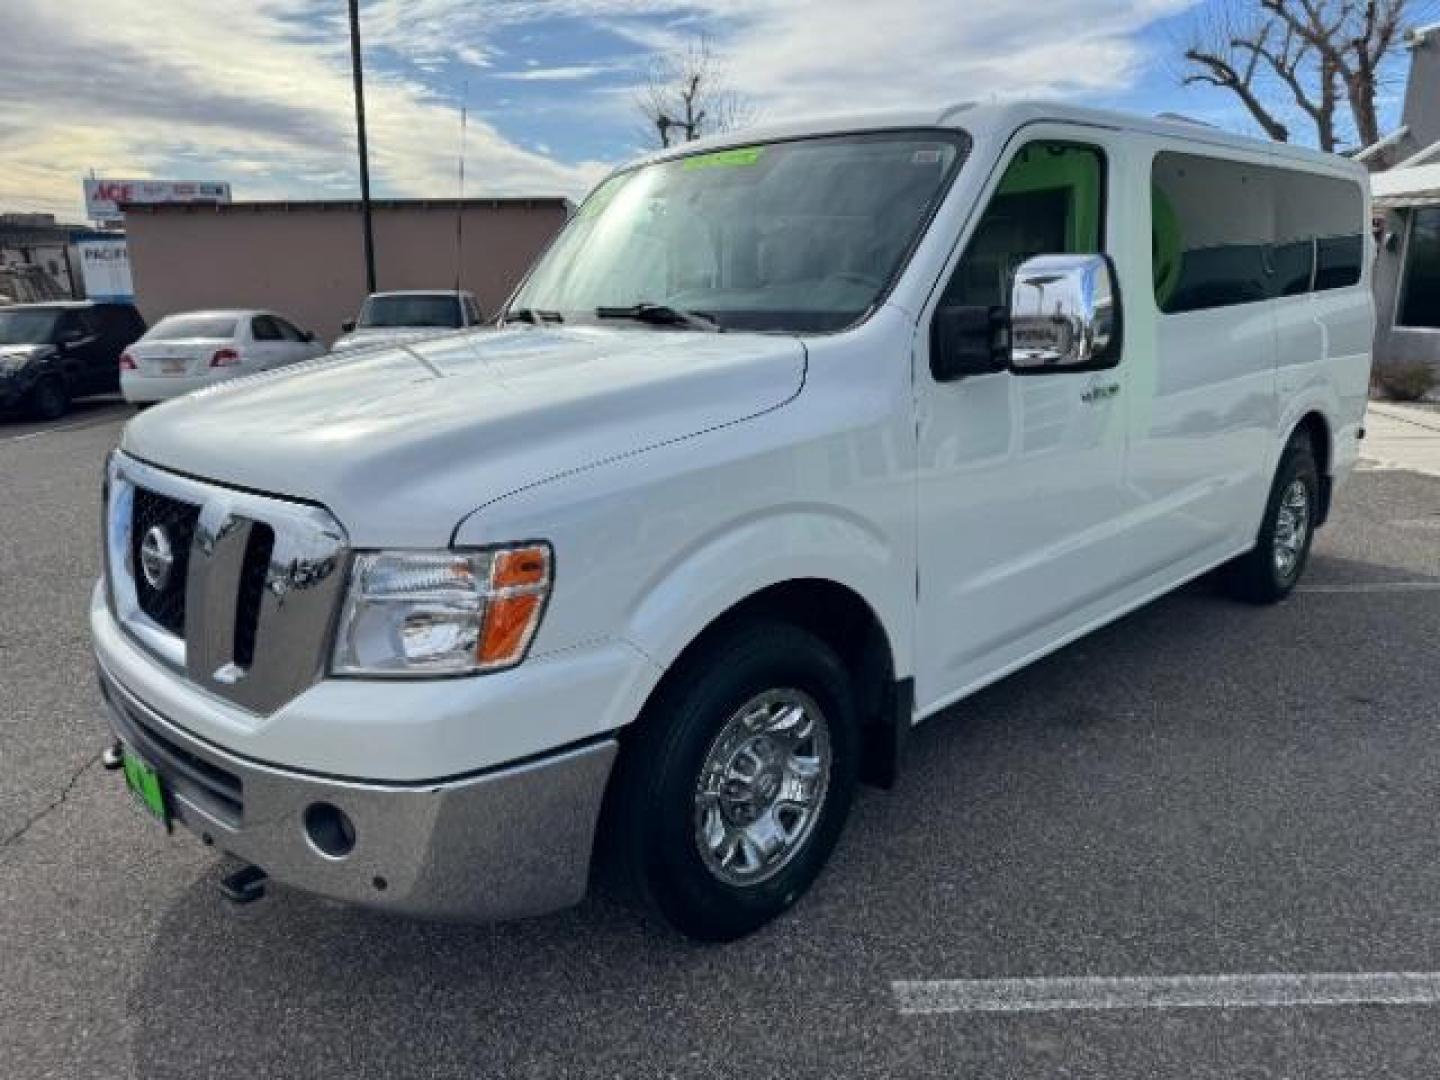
224 358
127 362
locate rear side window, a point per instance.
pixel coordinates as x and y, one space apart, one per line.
263 328
1338 260
287 331
178 327
1327 213
1228 232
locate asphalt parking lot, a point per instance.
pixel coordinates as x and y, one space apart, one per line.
1199 789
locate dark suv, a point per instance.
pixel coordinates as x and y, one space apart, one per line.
52 352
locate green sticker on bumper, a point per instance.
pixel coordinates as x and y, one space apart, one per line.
722 159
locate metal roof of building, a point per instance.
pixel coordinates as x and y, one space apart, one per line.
1418 185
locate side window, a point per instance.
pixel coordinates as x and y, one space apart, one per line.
1338 261
116 324
263 328
287 331
1051 201
472 311
68 328
1328 213
77 324
1212 224
1420 280
1227 232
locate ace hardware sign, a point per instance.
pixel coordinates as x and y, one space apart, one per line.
104 198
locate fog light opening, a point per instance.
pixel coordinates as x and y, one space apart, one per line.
329 830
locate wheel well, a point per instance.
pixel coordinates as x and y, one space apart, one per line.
841 618
1318 432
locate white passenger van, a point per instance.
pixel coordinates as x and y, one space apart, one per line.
788 442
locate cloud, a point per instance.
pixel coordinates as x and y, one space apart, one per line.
556 74
259 92
806 56
241 92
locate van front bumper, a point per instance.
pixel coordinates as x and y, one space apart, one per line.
507 842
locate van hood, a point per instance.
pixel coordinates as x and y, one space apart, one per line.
402 443
370 337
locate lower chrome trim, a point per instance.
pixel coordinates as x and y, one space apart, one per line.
512 842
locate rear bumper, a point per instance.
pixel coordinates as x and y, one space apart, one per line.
508 842
140 389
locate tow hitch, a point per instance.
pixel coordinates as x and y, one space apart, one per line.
244 886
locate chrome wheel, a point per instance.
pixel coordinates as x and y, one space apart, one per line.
761 787
1292 526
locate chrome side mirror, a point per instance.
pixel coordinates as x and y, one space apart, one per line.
1064 314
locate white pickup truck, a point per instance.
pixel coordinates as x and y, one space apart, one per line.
790 441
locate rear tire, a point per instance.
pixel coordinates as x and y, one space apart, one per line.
734 785
50 400
1268 572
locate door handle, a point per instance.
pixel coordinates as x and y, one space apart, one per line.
1100 392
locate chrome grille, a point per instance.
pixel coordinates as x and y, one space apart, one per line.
165 601
256 582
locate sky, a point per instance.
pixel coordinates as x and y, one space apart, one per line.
258 92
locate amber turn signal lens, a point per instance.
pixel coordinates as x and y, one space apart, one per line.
519 584
519 567
509 622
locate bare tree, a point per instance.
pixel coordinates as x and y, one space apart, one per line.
1315 54
687 96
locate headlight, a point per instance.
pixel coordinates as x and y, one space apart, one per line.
441 613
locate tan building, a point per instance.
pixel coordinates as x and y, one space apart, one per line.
306 259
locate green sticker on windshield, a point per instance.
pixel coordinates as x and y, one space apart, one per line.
724 159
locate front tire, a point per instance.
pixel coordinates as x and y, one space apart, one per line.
735 783
50 400
1268 572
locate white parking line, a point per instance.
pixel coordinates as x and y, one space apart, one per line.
1166 992
65 427
1374 587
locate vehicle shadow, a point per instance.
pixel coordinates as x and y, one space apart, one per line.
1122 806
82 411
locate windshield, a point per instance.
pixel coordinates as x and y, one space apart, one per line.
803 235
175 327
28 326
410 311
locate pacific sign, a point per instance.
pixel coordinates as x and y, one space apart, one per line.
103 198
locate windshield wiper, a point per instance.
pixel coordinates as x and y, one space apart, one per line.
661 315
534 316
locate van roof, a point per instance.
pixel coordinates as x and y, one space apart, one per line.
998 120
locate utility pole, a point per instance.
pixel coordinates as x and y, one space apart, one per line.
364 150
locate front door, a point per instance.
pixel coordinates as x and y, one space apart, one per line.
81 351
1021 489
